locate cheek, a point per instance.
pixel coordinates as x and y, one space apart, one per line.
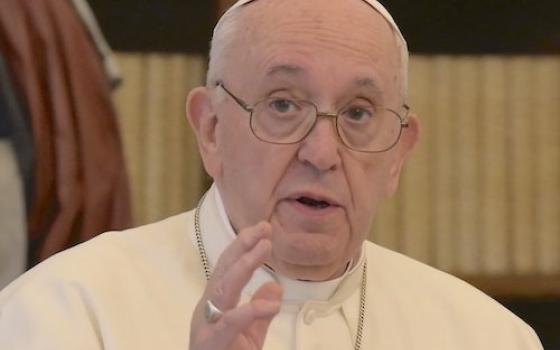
251 172
236 146
368 182
247 158
255 163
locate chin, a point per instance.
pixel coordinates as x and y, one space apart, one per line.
304 250
307 272
314 265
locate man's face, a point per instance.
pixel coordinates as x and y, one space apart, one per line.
331 53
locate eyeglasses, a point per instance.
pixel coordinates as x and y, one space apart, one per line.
360 125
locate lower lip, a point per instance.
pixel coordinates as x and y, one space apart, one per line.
311 211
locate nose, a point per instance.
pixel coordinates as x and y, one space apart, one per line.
320 148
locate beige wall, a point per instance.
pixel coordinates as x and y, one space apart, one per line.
164 168
481 195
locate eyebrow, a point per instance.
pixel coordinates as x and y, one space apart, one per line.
369 83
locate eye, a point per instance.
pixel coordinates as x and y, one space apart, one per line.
358 113
283 105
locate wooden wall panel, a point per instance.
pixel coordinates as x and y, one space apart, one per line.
521 158
416 195
545 113
494 122
165 170
129 102
466 145
442 112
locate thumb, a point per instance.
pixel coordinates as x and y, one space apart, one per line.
269 297
270 291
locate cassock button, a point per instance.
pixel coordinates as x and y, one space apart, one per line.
309 316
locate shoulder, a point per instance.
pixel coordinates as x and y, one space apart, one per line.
438 300
113 253
117 281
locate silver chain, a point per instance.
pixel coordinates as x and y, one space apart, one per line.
199 242
206 268
362 311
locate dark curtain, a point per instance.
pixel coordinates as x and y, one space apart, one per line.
80 185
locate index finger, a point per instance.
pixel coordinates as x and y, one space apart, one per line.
236 266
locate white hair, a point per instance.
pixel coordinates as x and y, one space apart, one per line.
227 27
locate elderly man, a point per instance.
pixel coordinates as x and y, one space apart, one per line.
304 127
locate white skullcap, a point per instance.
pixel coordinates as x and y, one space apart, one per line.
401 42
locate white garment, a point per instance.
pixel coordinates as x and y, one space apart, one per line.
136 290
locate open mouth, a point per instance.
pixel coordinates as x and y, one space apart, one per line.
313 203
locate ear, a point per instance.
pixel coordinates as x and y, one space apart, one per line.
407 142
203 121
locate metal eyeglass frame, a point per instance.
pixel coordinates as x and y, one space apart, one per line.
250 108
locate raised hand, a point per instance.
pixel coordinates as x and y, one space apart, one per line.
240 327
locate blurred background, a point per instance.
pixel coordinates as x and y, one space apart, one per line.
480 197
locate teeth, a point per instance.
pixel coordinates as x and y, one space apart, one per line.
313 203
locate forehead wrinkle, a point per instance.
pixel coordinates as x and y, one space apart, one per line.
366 40
270 50
297 29
273 55
370 42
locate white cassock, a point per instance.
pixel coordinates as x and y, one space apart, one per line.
136 290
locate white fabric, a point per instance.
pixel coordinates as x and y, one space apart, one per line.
136 290
13 232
